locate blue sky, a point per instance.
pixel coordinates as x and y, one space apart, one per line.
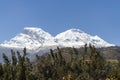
96 17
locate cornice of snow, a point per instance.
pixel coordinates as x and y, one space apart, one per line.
75 30
32 28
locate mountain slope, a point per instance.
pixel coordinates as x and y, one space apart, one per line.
31 38
76 38
36 39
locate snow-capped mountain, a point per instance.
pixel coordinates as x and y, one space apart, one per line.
77 38
37 41
31 38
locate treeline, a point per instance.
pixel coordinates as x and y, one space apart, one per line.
55 66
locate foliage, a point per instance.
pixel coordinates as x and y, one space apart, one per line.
86 65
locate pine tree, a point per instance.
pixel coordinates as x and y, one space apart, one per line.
21 66
1 72
7 74
14 65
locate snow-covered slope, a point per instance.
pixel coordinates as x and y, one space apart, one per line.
77 38
31 38
35 39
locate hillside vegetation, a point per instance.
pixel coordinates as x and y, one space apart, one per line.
73 64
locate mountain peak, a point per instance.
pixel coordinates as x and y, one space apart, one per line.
71 34
30 38
78 37
36 32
